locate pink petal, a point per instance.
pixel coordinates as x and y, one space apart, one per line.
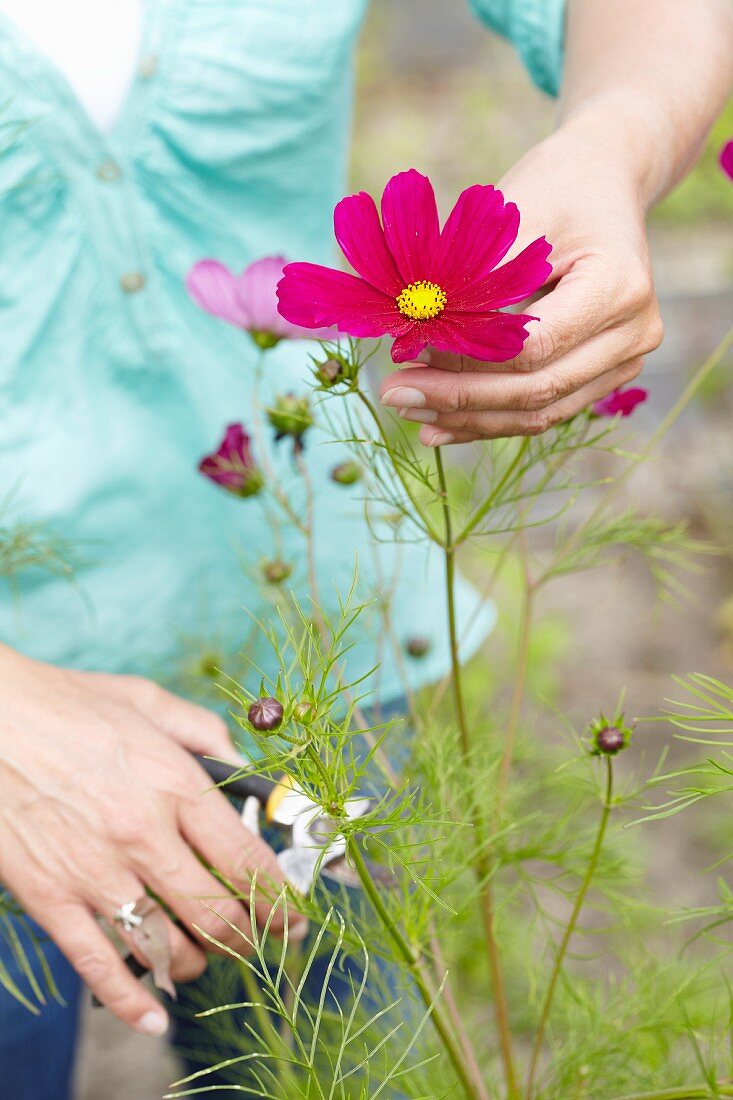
235 444
411 226
410 345
480 230
359 233
257 291
314 297
620 402
510 283
490 337
213 287
726 159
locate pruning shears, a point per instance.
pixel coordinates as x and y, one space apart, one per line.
313 841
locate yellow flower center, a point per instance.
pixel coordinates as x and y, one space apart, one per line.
422 300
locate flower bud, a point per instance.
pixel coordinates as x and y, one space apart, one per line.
346 473
265 714
339 367
417 647
232 466
304 712
290 416
276 571
609 738
329 372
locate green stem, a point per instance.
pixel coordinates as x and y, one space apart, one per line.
429 530
520 685
449 550
571 926
482 868
314 756
271 478
685 1092
496 491
308 532
413 963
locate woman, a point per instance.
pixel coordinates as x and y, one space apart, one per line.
231 142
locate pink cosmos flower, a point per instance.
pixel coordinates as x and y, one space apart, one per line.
726 159
418 283
232 465
248 300
620 402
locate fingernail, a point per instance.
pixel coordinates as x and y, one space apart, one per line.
298 932
404 397
422 416
153 1023
438 439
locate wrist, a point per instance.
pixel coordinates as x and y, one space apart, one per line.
632 134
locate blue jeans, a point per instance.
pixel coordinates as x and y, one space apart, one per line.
37 1052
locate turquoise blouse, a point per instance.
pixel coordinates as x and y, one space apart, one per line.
232 144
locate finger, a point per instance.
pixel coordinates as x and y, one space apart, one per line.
187 960
100 967
465 428
428 392
196 897
597 294
214 829
196 728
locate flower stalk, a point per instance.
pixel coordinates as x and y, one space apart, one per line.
412 962
570 927
684 1092
482 868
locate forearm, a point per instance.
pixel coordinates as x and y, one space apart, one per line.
646 79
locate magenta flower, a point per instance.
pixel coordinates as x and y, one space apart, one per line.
232 466
726 159
248 301
620 402
419 284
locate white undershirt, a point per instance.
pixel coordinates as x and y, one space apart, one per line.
94 43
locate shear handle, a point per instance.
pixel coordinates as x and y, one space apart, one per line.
245 786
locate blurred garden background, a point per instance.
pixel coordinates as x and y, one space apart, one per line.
436 92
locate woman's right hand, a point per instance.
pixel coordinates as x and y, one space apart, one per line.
99 799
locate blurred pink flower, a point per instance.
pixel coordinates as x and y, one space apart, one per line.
248 301
726 159
419 284
620 402
232 465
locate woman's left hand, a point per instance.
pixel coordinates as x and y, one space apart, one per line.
596 324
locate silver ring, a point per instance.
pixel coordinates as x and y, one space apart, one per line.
128 915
